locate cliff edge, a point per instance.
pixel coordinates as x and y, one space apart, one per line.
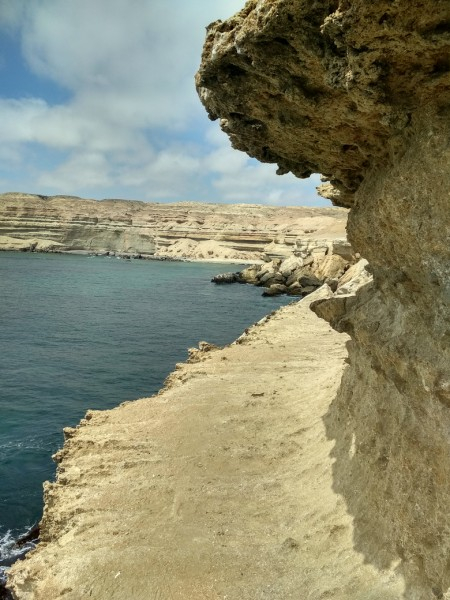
218 487
359 91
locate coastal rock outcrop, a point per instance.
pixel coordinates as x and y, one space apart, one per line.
300 273
360 92
185 230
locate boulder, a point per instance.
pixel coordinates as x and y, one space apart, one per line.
308 289
295 290
271 278
275 290
290 264
225 278
266 268
249 275
354 278
309 281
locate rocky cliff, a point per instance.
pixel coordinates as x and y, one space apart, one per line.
184 230
240 493
360 92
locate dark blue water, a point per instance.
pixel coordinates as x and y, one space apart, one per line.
82 332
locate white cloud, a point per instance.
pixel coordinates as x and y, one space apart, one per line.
63 126
130 60
11 14
169 175
80 172
132 123
238 179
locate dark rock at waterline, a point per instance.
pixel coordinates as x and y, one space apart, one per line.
309 289
225 278
298 283
270 279
295 290
31 536
309 281
10 560
294 275
4 593
275 290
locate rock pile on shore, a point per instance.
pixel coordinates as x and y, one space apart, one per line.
298 274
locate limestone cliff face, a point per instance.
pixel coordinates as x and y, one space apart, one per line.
183 230
359 91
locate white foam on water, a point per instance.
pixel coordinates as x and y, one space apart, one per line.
7 543
30 444
6 547
3 574
10 552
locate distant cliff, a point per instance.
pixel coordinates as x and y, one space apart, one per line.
182 230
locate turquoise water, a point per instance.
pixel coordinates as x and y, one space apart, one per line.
81 332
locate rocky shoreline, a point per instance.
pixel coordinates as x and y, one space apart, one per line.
14 551
209 473
299 274
128 256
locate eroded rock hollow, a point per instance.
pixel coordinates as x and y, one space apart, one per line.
359 91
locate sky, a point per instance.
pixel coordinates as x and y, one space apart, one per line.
97 99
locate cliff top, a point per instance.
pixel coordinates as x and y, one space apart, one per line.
207 207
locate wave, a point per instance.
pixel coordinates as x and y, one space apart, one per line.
18 446
38 443
14 548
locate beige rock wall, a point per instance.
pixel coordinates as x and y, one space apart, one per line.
359 91
391 418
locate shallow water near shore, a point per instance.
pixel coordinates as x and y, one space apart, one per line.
80 333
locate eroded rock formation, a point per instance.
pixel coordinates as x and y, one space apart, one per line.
298 274
359 91
185 230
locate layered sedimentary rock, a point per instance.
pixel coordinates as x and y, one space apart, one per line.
184 230
360 92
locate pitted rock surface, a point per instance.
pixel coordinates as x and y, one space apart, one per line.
360 92
325 86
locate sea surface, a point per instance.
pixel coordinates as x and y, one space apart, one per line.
78 333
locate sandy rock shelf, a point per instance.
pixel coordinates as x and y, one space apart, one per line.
219 487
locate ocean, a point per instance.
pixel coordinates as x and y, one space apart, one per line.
79 333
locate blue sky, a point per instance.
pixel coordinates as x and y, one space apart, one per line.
97 99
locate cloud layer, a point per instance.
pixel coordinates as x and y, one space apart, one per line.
131 124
